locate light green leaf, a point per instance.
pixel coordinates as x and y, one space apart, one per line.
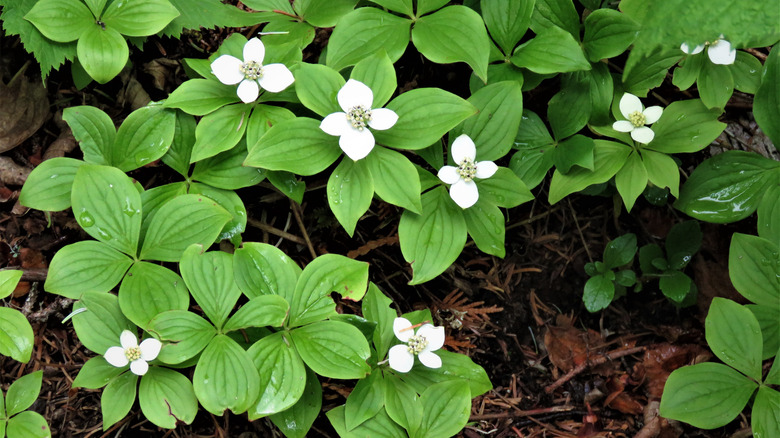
608 33
631 179
402 6
186 332
144 136
230 201
225 377
766 103
768 215
753 266
556 13
8 281
296 421
95 373
507 20
61 20
661 170
94 130
23 392
86 266
139 17
100 326
262 269
645 72
102 52
350 190
365 400
178 155
734 336
746 71
96 6
376 307
156 197
209 276
201 96
364 31
219 131
225 170
333 349
608 158
425 6
454 34
49 185
28 424
716 85
282 375
16 335
688 70
394 178
151 289
166 397
118 398
378 73
267 310
765 417
402 404
485 224
574 151
317 86
457 367
446 409
263 118
552 51
380 426
769 319
323 14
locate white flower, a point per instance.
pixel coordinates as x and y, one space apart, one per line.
464 190
355 98
638 116
250 73
132 353
421 344
719 51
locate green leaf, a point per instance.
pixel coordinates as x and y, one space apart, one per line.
209 14
734 336
765 417
96 6
16 335
395 178
23 392
706 395
716 85
662 170
712 195
180 222
230 201
144 136
262 269
555 13
378 73
317 86
401 403
150 289
376 307
118 398
296 421
263 118
675 285
424 116
766 103
219 131
598 294
86 266
100 326
380 426
768 215
682 243
753 266
166 397
288 184
267 310
139 17
298 146
327 273
201 96
95 373
620 251
8 281
186 332
365 400
569 110
61 20
94 130
644 72
458 367
631 180
323 15
49 185
769 319
28 424
454 34
431 241
209 276
425 6
504 189
601 90
773 376
282 375
552 51
507 20
364 31
178 155
608 33
102 52
225 170
402 6
446 409
350 190
688 70
299 33
485 224
495 126
574 151
225 377
333 349
154 198
608 158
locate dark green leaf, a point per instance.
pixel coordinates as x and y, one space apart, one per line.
552 51
350 190
333 349
766 104
166 398
282 375
598 293
734 336
364 31
225 377
118 398
507 20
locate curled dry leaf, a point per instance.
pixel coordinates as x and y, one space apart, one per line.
25 108
12 173
64 143
569 346
660 361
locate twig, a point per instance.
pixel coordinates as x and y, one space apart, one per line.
757 54
533 218
299 220
577 223
591 363
521 413
38 274
275 231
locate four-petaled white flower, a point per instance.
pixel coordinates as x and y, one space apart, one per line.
464 190
637 117
130 352
356 99
250 74
421 344
719 51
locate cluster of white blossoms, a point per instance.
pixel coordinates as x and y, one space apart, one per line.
250 74
637 117
130 352
719 51
463 189
422 344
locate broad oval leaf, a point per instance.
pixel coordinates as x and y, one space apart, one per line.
608 158
16 335
118 398
598 293
150 289
753 266
201 96
734 335
317 86
139 18
28 424
102 52
350 191
101 324
364 31
225 377
458 367
266 310
282 375
48 186
766 104
365 400
95 373
219 131
552 51
333 349
507 20
485 224
262 269
446 409
395 178
94 130
144 136
60 20
378 73
209 276
186 332
166 397
765 417
86 266
608 33
296 421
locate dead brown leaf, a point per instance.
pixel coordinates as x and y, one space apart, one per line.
25 108
660 361
619 399
568 346
12 173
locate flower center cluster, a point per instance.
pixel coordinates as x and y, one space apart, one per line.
637 119
467 169
251 70
359 116
416 344
133 353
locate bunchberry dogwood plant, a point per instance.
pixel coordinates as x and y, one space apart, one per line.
130 351
420 344
719 51
250 74
637 118
463 189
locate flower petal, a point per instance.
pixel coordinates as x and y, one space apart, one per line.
486 169
248 90
276 77
449 174
116 357
430 359
139 367
150 348
465 194
357 143
630 103
643 134
254 50
128 339
400 359
434 336
382 118
463 147
720 52
652 114
402 330
335 124
623 126
226 69
686 48
355 93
